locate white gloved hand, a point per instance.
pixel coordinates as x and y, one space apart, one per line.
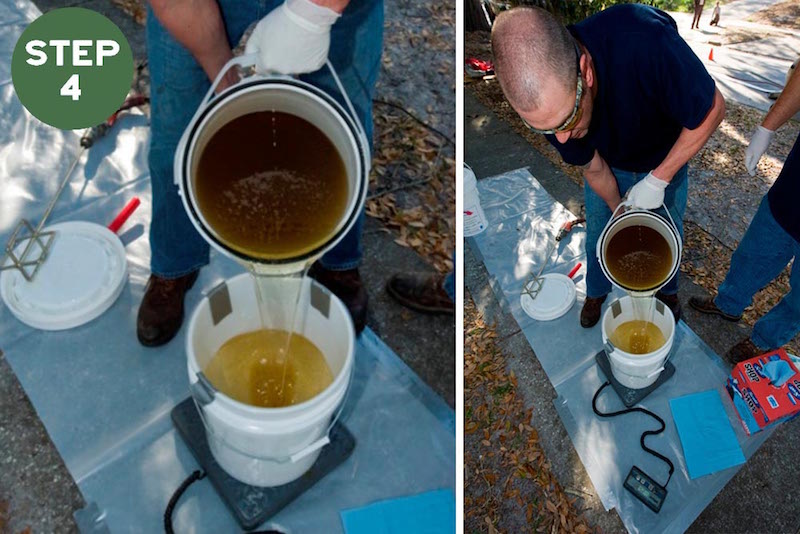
293 38
758 145
647 193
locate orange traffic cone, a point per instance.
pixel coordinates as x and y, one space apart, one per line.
711 54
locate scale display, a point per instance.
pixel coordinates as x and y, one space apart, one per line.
645 489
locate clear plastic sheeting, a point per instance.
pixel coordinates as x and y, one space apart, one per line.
405 445
523 217
105 400
609 447
523 223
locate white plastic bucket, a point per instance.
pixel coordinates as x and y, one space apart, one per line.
474 217
637 371
639 217
268 446
280 94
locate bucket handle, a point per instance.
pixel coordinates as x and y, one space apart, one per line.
656 372
326 438
609 348
249 60
627 204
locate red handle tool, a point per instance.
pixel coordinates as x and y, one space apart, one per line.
123 215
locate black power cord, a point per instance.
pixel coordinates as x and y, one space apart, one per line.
420 121
644 434
173 501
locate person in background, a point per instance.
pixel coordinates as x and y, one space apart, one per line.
715 15
698 10
623 96
188 43
772 241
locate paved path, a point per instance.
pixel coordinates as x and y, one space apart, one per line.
746 72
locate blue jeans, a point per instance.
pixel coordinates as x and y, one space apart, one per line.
598 214
763 253
449 284
178 84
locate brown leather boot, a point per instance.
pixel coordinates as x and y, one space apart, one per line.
346 285
421 292
161 311
744 350
706 305
672 303
590 313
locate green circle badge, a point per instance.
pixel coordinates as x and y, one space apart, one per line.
72 68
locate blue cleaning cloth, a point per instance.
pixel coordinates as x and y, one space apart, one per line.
778 372
707 437
428 513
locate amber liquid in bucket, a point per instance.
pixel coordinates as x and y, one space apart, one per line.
271 185
638 337
250 369
638 258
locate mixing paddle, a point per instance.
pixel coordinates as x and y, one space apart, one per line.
533 285
28 262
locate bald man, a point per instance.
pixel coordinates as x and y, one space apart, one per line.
620 94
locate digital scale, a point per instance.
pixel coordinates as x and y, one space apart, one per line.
640 484
250 505
645 489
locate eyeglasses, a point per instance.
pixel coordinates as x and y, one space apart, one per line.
577 112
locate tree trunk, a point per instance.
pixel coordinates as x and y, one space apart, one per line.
476 17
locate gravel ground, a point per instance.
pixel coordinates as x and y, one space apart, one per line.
508 484
783 15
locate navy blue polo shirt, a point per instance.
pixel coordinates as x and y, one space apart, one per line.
785 192
650 86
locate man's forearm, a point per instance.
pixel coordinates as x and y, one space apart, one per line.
198 26
599 177
786 106
690 142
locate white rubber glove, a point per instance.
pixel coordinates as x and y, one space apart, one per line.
647 193
758 145
293 38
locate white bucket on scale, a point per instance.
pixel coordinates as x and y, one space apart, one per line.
638 371
271 446
268 446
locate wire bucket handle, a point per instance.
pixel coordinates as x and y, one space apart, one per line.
248 62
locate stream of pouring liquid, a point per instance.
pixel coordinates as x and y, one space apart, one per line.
277 312
643 310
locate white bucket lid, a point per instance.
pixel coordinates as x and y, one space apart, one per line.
81 278
554 299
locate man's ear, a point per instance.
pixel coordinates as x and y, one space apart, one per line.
587 68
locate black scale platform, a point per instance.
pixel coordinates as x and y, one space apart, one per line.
252 505
630 396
